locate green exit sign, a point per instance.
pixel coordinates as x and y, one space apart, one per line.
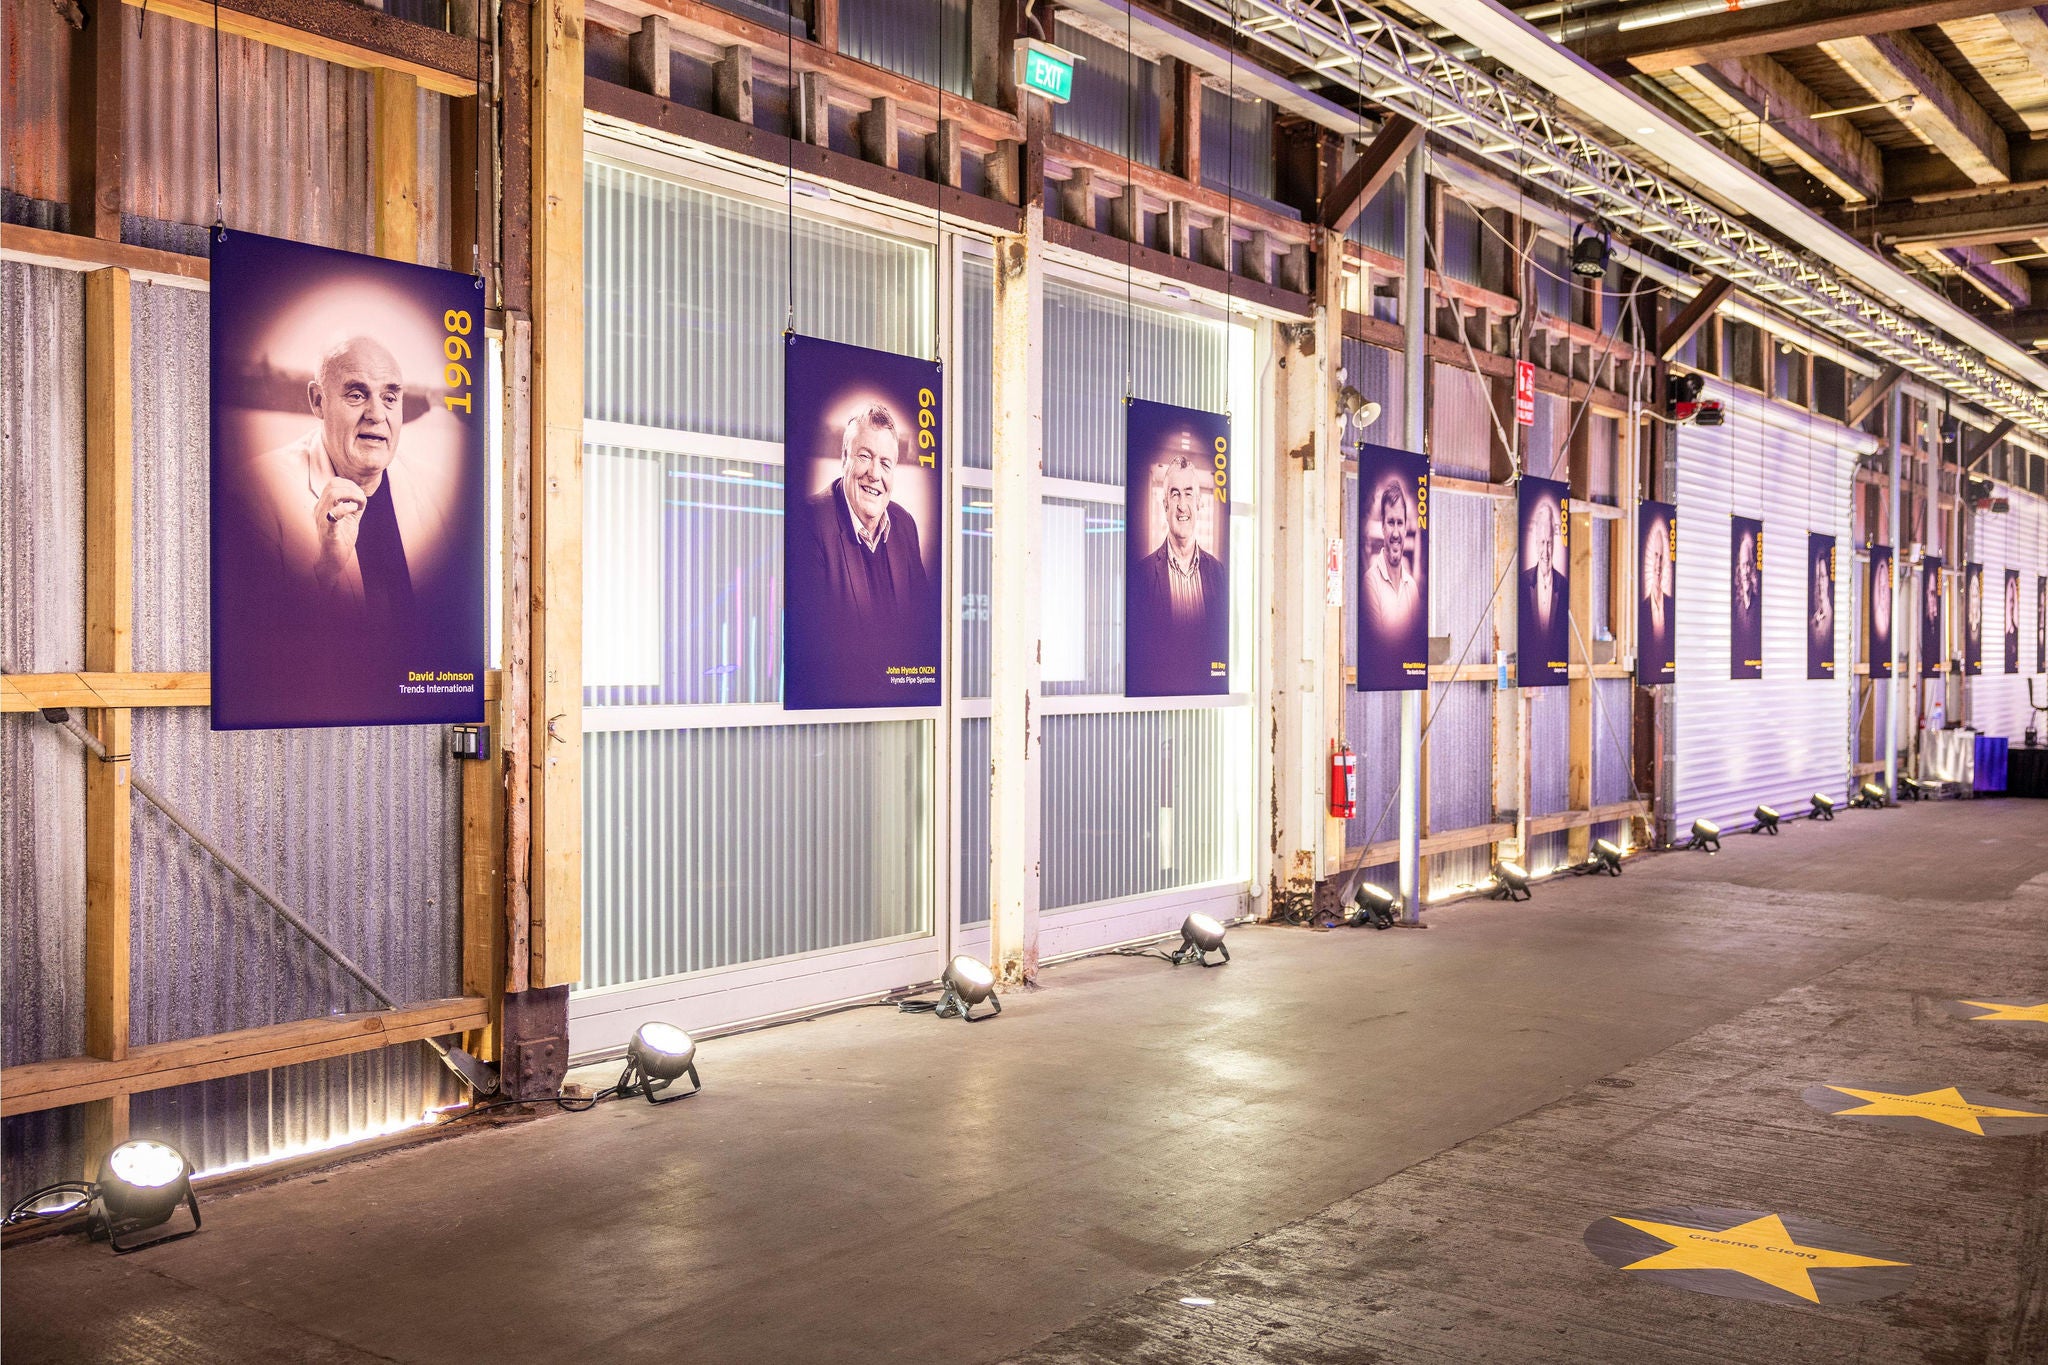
1045 70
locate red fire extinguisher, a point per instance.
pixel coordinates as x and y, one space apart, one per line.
1343 781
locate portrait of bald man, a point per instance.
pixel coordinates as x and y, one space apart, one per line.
1543 587
342 517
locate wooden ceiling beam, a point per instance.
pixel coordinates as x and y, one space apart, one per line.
1757 90
1897 66
1997 215
1771 28
1368 175
1694 316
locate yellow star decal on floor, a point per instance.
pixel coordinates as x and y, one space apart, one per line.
1761 1249
2015 1014
1946 1107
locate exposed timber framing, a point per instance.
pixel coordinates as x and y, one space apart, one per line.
1772 101
1996 215
1376 165
97 110
1894 66
1879 389
1680 329
344 33
1982 443
1770 28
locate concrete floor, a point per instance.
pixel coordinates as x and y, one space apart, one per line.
1362 1146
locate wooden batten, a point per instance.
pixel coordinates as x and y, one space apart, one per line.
342 32
395 140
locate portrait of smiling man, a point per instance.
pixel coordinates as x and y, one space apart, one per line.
1181 593
863 547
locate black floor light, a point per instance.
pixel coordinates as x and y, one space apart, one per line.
141 1185
1375 906
1200 935
1606 858
1510 883
1823 807
1766 821
1705 835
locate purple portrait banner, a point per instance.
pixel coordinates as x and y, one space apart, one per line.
864 524
1745 598
1177 552
348 424
1973 619
1393 570
1931 652
1880 607
2011 618
2041 624
1657 601
1543 605
1820 606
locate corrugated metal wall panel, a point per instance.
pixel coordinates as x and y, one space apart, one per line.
1549 749
1171 358
359 830
1779 738
1459 251
972 766
2010 540
925 40
1613 741
1462 572
1106 110
708 848
974 427
1548 852
977 546
1145 801
686 293
1602 625
1372 726
42 894
295 157
1376 373
42 458
1383 225
1102 604
1461 867
35 111
172 568
1237 145
1460 424
1460 755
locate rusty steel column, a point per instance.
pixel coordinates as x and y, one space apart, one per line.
1015 775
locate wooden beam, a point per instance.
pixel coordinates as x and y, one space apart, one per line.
22 692
1376 165
1771 28
1074 237
879 130
2028 30
1692 317
1180 121
395 142
1879 389
1066 152
483 884
2004 284
1771 99
1995 215
557 601
732 84
1579 686
97 113
647 56
158 1066
1979 444
1893 66
342 32
109 645
72 251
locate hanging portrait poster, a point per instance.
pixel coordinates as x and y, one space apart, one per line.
1745 598
2012 620
1931 652
1393 570
1973 619
1543 611
862 618
347 495
1820 606
1657 602
1177 552
2041 624
1880 611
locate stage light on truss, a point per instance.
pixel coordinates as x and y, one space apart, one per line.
1200 935
968 983
1375 906
659 1055
1823 807
141 1185
1705 835
1510 883
1606 857
1766 821
1590 251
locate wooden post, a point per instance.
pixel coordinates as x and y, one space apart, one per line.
878 132
732 81
1180 121
109 647
515 707
97 110
647 56
396 129
557 601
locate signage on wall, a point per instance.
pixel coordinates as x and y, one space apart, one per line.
348 520
1525 393
1932 654
1177 552
1393 570
1880 613
1820 606
1045 70
1745 598
862 616
1973 619
1657 599
1543 606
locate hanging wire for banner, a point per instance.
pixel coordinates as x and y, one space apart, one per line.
483 150
1134 220
220 222
1230 186
938 167
796 117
